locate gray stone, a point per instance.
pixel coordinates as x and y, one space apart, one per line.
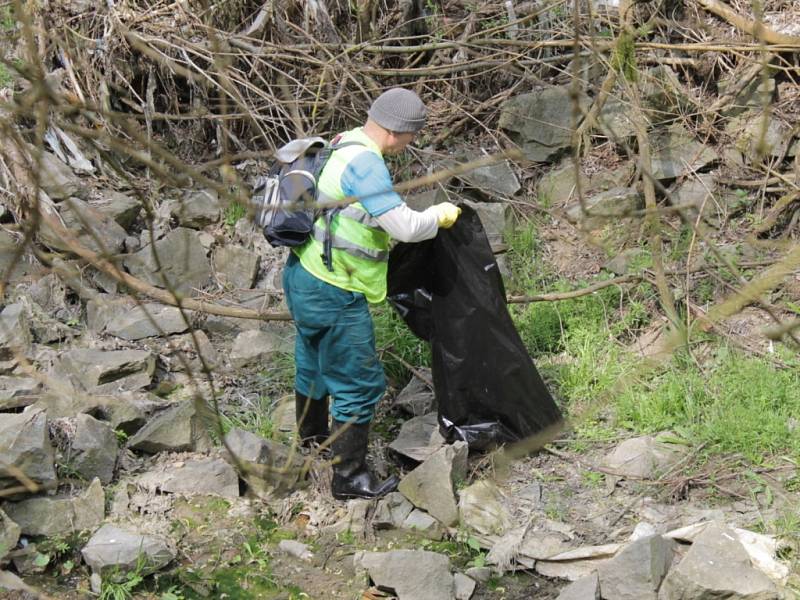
391 511
759 136
481 509
756 95
45 328
183 352
256 347
539 123
184 265
626 261
423 200
420 521
296 549
585 588
419 438
23 264
637 571
615 121
94 230
676 153
644 457
559 185
107 371
124 209
9 534
496 218
25 447
479 574
15 335
267 463
177 429
197 209
662 94
113 551
717 566
94 449
493 180
207 475
56 178
147 320
430 485
417 398
412 574
605 207
17 392
10 582
235 266
464 586
59 515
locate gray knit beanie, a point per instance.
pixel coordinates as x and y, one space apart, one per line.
398 110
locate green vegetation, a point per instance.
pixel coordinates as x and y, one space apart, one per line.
464 550
233 212
396 344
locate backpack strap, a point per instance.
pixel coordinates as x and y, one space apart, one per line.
330 213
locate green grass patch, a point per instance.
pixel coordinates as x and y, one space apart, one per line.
233 212
397 346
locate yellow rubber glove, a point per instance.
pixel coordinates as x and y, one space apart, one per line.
447 213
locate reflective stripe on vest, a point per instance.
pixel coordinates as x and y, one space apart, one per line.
340 243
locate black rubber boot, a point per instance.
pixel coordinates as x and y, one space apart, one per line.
312 419
351 477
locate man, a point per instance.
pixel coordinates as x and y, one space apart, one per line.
335 344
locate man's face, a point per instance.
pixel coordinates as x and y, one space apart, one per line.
398 142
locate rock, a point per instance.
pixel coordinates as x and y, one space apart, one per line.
423 200
93 229
268 463
585 588
411 574
717 566
181 353
643 457
419 438
676 153
697 191
17 392
107 371
637 571
211 476
296 549
256 347
425 524
605 207
559 185
45 328
59 515
615 121
756 95
538 123
481 509
184 265
197 209
463 586
123 209
391 511
22 265
12 583
94 449
417 398
627 261
496 218
479 574
494 181
353 520
430 485
9 535
760 135
112 551
663 95
15 335
147 320
56 178
25 446
177 429
255 299
236 267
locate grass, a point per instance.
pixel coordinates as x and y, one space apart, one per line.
397 345
233 212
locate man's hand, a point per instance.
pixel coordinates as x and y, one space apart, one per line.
446 214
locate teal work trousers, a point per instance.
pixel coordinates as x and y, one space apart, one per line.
335 345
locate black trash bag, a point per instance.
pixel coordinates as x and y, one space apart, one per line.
449 291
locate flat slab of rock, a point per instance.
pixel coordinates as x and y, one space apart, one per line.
107 371
481 509
644 457
15 334
17 392
419 438
94 449
9 534
717 566
114 550
585 588
268 463
235 266
430 485
52 516
176 429
25 445
195 476
636 572
257 346
147 320
412 574
391 511
417 398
